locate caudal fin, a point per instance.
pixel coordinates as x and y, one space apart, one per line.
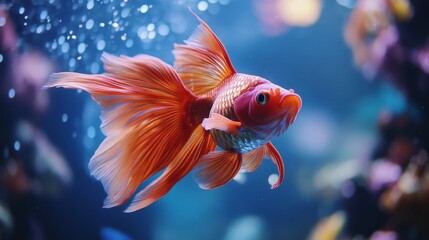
144 106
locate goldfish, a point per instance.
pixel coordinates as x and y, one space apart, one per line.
160 117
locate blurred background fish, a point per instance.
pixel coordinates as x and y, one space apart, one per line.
359 147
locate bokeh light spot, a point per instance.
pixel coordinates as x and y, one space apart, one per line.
2 21
17 145
273 178
11 93
299 12
65 47
90 132
64 117
202 6
163 30
95 67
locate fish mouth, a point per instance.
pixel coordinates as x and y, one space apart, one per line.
290 104
291 101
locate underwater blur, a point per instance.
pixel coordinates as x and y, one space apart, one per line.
356 158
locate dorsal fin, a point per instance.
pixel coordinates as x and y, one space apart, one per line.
202 62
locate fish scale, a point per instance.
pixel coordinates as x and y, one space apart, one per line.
224 96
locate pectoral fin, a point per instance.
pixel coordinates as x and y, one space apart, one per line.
253 159
277 159
219 122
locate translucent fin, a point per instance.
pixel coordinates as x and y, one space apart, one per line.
202 62
217 121
274 155
253 159
143 104
198 144
217 168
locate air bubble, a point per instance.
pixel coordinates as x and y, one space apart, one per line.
72 62
65 47
101 44
142 33
150 27
43 15
40 29
90 5
125 12
61 40
81 48
89 24
151 35
144 8
129 43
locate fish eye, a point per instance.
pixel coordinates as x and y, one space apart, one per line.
262 98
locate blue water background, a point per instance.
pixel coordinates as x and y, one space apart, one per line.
339 107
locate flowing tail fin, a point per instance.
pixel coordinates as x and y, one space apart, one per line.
145 118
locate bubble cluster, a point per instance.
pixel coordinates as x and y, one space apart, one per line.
75 33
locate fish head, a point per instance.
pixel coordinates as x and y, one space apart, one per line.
267 108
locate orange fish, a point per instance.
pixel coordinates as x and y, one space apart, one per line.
158 117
